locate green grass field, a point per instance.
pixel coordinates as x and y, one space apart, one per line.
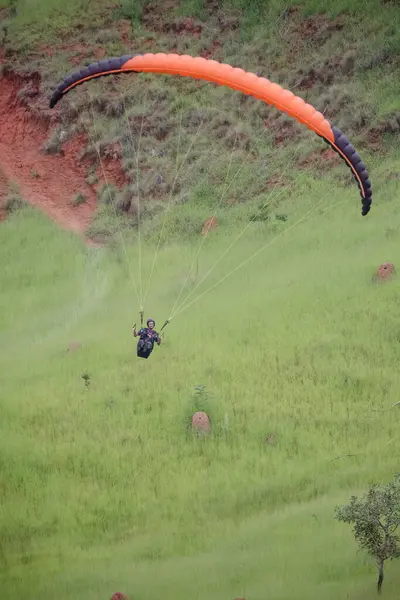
103 485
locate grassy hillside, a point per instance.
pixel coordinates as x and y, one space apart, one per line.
178 139
279 331
104 488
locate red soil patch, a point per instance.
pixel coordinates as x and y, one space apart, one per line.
319 159
184 26
111 166
81 52
113 172
308 81
150 44
227 22
326 73
374 139
210 52
210 224
49 182
274 182
125 31
165 22
153 20
318 27
284 131
94 53
389 125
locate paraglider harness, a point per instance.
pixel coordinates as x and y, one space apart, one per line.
147 339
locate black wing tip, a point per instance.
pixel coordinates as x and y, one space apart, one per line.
95 69
358 167
366 208
57 95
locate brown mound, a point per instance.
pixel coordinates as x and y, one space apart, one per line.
385 272
119 596
74 346
201 422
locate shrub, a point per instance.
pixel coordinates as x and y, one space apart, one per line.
79 199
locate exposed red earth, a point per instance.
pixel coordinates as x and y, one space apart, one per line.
210 224
48 181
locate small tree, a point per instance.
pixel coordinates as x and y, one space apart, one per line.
375 519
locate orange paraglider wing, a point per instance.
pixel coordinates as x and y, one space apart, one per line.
237 79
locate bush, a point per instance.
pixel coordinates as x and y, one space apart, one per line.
79 199
14 201
92 179
107 194
104 224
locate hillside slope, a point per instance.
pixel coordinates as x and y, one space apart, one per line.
343 61
279 331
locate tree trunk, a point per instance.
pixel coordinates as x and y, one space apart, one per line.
380 578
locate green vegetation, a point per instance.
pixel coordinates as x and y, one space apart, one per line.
104 489
13 200
294 355
376 519
79 199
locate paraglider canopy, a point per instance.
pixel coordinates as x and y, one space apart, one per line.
237 79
